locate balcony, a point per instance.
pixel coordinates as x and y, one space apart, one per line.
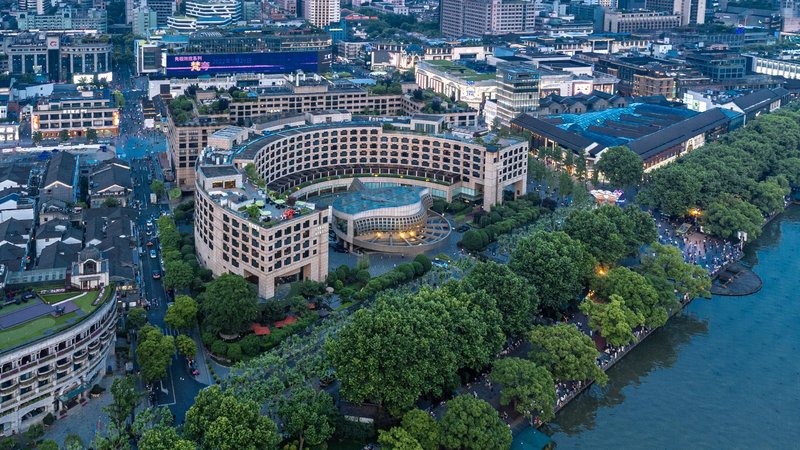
48 369
81 356
63 363
94 345
28 381
9 385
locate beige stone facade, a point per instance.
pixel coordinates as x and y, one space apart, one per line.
229 241
291 160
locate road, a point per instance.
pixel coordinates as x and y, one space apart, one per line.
179 388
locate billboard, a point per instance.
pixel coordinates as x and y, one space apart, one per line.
276 62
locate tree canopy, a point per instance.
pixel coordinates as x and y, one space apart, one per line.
182 315
397 438
666 264
154 353
307 415
410 345
423 428
566 353
748 170
516 299
556 264
220 421
613 319
728 215
528 387
621 166
230 304
472 424
637 293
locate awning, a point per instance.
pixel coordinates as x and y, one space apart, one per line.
73 393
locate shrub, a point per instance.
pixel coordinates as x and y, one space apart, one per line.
96 389
49 419
234 351
418 269
424 260
218 347
250 345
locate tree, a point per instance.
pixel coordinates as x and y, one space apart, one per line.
729 215
157 187
73 442
111 202
47 444
137 317
125 399
613 319
423 428
175 193
182 315
473 241
397 438
637 294
37 137
621 166
566 353
529 387
307 415
186 346
472 424
516 299
63 135
391 361
221 421
598 233
674 189
229 304
164 438
768 196
556 264
177 274
154 353
91 135
666 263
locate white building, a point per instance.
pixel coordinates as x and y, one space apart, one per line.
321 13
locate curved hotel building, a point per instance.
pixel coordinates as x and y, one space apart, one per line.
43 373
240 229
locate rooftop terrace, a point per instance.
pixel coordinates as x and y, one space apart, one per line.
38 317
461 71
371 199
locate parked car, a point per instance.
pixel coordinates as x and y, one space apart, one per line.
156 274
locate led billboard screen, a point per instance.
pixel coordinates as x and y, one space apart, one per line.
277 62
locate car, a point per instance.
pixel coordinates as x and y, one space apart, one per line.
153 253
28 295
156 274
149 232
149 243
149 223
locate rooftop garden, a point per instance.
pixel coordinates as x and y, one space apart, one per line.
461 70
181 109
48 325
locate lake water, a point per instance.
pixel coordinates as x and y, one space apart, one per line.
725 373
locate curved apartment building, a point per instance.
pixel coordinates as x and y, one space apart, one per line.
55 372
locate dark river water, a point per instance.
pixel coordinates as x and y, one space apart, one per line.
725 373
